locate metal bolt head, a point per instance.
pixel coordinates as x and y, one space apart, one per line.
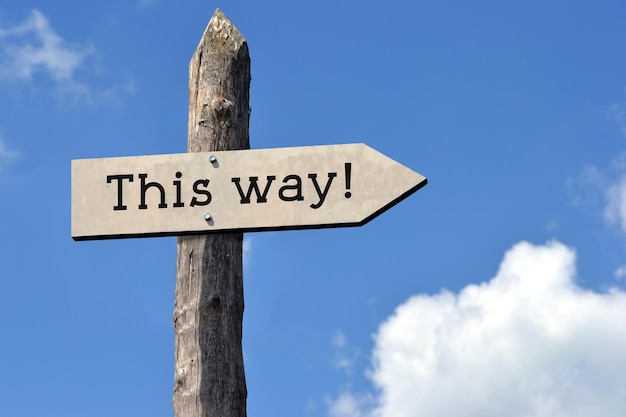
207 216
212 159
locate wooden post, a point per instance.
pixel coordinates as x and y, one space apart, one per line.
209 378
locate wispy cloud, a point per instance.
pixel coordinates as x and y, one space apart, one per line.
620 273
617 112
349 405
529 342
6 156
615 211
603 189
146 3
33 48
339 340
6 153
247 249
345 354
587 188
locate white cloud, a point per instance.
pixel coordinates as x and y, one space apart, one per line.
528 343
34 47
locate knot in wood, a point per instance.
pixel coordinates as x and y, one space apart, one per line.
222 107
181 376
213 304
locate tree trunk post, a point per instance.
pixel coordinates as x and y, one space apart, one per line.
209 379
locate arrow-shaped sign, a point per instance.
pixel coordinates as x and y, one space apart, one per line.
248 190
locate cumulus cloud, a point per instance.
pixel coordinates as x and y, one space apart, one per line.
530 342
33 47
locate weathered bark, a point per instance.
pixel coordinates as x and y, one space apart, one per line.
209 378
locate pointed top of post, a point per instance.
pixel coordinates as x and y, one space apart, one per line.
220 31
219 79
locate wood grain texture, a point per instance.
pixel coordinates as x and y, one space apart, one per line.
209 378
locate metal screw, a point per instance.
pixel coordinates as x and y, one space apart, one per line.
207 216
212 159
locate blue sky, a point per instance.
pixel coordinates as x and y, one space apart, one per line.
497 289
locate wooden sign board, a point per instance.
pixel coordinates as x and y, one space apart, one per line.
248 190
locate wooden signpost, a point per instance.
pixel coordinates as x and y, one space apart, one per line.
210 196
